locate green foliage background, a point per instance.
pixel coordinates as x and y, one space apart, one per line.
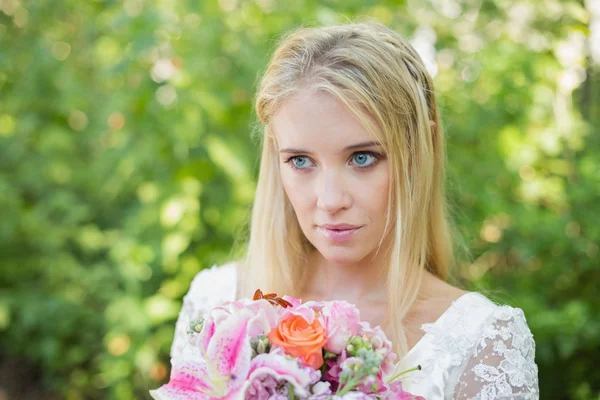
127 164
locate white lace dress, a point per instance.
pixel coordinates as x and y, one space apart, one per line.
475 350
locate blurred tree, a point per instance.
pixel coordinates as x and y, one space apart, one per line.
127 164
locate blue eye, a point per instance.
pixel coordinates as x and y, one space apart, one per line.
364 159
300 162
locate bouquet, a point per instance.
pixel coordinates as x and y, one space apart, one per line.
282 348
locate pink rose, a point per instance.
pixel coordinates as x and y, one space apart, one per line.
342 321
307 310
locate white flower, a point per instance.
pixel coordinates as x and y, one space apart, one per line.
321 388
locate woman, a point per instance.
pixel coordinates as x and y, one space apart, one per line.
350 205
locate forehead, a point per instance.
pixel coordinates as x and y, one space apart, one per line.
319 120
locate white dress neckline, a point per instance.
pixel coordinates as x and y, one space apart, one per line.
424 339
456 302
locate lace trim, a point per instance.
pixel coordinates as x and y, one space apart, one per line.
210 287
502 365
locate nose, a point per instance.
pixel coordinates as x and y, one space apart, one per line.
332 195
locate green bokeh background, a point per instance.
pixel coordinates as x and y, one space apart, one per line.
128 164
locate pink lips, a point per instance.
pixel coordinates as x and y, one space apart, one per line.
339 233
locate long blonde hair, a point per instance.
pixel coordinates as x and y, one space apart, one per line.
372 70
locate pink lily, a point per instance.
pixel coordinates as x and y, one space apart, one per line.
185 382
267 316
220 366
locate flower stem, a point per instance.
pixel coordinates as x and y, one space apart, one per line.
398 375
350 385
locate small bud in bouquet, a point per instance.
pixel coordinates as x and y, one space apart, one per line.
195 326
361 371
260 345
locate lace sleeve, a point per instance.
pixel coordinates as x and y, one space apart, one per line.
209 288
502 366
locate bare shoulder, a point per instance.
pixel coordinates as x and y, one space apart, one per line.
435 298
435 288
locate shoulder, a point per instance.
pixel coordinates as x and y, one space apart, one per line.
484 342
508 325
209 288
212 286
473 320
480 316
501 358
491 313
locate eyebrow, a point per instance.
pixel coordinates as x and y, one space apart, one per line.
351 147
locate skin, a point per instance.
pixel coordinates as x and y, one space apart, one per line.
332 173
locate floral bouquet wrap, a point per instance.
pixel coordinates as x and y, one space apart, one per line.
282 348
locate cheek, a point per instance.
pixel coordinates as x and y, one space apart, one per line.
373 194
296 190
382 191
374 199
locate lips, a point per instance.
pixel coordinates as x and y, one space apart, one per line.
339 233
339 227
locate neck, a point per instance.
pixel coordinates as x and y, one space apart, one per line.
364 280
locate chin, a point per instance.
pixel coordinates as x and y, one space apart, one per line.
341 254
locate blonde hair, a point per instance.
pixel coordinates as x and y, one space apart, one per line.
372 70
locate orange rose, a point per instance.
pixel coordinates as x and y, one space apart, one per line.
300 339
